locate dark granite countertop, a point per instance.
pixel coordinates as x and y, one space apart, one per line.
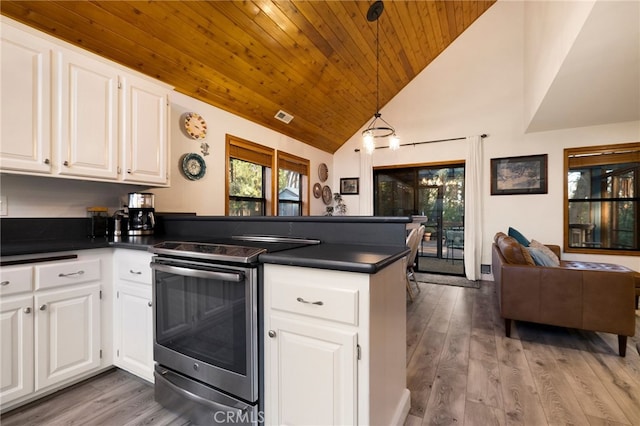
355 244
342 257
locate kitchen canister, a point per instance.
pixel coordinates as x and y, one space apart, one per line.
97 219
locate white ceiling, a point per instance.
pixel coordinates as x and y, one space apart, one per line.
599 80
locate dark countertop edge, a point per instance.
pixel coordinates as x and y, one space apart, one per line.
356 219
332 264
143 244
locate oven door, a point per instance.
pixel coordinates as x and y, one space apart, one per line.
205 323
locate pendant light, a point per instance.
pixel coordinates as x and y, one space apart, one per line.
378 128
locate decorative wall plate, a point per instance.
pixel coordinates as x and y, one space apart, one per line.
327 195
323 172
193 166
195 125
317 190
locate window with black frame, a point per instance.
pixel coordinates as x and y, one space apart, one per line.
602 199
248 178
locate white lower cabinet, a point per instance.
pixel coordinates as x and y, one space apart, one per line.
16 354
50 315
323 394
67 333
133 313
335 346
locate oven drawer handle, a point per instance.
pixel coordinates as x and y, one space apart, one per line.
235 277
197 398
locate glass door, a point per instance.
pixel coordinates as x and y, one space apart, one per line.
433 191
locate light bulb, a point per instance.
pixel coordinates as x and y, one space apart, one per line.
369 142
394 142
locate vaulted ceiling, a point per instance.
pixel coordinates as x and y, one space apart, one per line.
315 60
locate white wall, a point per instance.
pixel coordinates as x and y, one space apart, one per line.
206 196
477 86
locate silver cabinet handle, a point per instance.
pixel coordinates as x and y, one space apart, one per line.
46 161
301 300
149 304
131 271
43 307
129 171
3 283
71 274
66 163
272 334
27 310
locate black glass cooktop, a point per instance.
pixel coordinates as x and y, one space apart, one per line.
243 249
209 251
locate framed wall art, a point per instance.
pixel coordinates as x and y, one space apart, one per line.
349 186
519 175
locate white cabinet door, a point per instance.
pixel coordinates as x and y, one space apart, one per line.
144 120
86 125
67 333
25 102
16 347
311 374
134 339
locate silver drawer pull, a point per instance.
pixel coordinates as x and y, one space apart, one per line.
131 271
27 310
301 300
71 274
3 283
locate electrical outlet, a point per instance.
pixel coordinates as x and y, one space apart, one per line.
4 207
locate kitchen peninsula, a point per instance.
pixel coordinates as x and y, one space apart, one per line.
354 345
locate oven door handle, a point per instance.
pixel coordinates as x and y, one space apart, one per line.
235 277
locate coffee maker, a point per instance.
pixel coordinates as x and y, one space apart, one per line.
141 219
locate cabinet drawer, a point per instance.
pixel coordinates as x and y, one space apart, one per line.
135 270
16 280
334 304
67 273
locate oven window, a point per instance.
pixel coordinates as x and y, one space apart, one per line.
205 319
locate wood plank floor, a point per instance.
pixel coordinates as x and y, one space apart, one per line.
461 370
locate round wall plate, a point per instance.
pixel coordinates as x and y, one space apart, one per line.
317 190
327 195
323 172
193 166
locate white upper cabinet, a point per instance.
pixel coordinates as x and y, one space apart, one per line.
25 91
144 112
69 113
86 122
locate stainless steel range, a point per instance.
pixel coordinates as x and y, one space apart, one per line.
206 333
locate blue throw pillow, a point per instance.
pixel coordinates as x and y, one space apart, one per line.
540 257
518 236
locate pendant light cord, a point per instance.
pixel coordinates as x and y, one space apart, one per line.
377 66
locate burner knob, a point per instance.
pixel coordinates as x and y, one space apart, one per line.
196 366
272 333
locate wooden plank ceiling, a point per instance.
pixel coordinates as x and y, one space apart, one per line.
315 60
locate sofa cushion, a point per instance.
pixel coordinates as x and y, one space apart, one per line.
544 254
512 251
518 236
540 257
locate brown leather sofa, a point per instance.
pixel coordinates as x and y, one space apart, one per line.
584 295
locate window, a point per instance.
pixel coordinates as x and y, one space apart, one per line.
293 185
249 178
602 199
